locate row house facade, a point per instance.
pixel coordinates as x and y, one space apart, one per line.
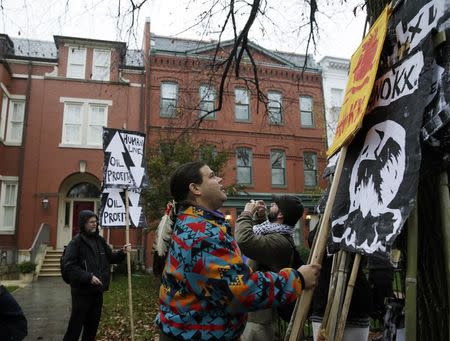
334 79
56 97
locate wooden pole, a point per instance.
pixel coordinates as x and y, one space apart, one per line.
127 238
331 292
317 253
444 199
348 298
287 334
411 277
336 303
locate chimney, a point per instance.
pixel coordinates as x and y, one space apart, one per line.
6 46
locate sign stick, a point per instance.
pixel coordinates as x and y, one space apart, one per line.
348 298
411 276
444 200
127 239
336 301
322 234
287 335
331 291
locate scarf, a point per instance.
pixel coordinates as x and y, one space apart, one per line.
267 228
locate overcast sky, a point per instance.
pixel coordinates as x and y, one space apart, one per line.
340 31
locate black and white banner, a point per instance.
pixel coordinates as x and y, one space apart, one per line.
124 164
113 212
124 169
379 181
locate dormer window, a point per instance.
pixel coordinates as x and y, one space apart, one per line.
76 63
101 65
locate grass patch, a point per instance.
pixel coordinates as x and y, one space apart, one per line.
11 288
115 321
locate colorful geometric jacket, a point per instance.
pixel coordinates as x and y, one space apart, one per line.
206 289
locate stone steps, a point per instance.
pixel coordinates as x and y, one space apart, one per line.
50 266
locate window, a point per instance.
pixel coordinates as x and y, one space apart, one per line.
244 165
310 169
76 62
101 65
207 102
84 190
274 107
242 108
3 115
336 97
73 121
97 120
278 165
169 95
15 121
336 101
306 114
83 122
8 203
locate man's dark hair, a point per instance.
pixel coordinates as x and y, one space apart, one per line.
183 176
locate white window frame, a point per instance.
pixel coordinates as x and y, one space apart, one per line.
8 180
249 166
309 169
162 99
71 61
9 139
3 116
104 74
207 95
283 166
275 107
305 111
85 139
238 104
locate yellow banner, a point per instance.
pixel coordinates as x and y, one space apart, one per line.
363 70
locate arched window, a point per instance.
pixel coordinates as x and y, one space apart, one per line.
84 190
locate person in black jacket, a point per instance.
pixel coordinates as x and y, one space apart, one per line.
87 263
13 324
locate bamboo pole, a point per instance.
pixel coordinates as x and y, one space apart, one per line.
127 241
444 199
317 253
331 292
291 321
336 303
348 298
411 277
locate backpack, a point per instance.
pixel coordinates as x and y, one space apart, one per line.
285 311
63 265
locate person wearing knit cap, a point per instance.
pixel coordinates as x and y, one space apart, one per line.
267 239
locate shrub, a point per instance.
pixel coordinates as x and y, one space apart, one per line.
304 253
27 267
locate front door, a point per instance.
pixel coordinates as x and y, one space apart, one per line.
79 206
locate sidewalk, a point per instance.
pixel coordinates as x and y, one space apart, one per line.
46 304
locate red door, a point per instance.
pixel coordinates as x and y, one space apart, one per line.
79 206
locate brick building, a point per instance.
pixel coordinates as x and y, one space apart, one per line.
56 96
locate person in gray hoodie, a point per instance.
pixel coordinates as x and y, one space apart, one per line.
86 262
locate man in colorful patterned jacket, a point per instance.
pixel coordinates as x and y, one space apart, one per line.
206 289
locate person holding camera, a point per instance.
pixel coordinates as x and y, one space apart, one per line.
268 240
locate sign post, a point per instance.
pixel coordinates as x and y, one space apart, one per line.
123 179
127 241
